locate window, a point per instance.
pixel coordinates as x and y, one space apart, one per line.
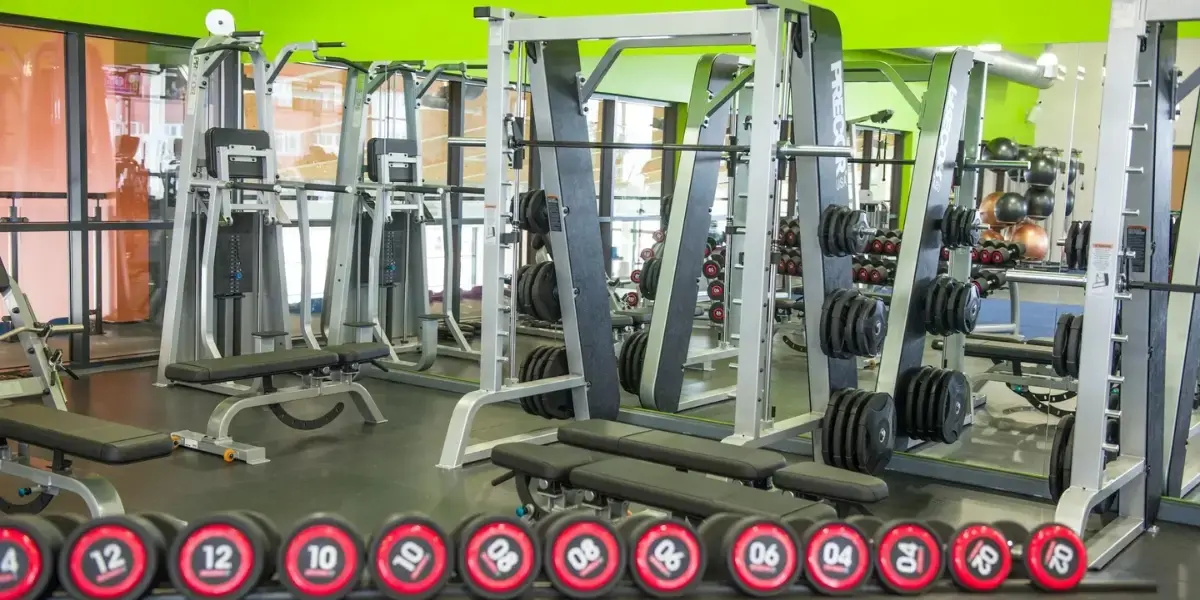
637 185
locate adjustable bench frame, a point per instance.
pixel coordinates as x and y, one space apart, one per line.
45 364
51 477
216 439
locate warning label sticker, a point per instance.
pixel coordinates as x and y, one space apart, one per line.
1101 269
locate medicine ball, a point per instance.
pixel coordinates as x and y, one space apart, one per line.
1040 201
1035 240
1070 207
1042 171
991 235
1002 148
1011 207
987 209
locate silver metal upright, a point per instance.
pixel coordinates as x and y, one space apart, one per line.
1130 73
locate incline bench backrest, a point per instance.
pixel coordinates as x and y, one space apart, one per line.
399 172
240 167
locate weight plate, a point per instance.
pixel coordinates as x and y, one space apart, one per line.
1058 359
558 404
854 329
838 231
920 411
972 305
911 420
855 402
1058 453
522 206
958 401
528 212
931 306
840 460
658 248
1071 256
828 424
953 318
623 363
526 295
539 208
1087 243
639 361
535 372
946 292
1080 240
655 272
1074 340
938 304
876 432
517 299
523 376
838 341
850 237
877 326
970 223
938 405
1068 458
825 228
545 297
827 319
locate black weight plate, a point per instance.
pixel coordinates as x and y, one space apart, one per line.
956 313
634 368
849 424
623 362
517 295
535 370
931 306
545 304
1080 240
558 404
647 278
841 312
528 212
1069 457
1058 359
1074 338
912 402
829 425
970 232
854 327
935 406
946 317
525 375
849 236
876 432
827 318
938 299
920 410
957 393
1087 242
522 206
854 431
949 226
824 228
639 360
526 284
1071 257
971 304
876 326
652 272
1058 452
840 460
840 224
539 207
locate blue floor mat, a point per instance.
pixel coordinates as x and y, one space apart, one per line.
1038 319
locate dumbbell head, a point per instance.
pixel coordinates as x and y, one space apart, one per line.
756 555
410 556
909 558
837 557
585 556
224 555
30 545
498 556
112 558
321 558
980 558
1055 558
667 558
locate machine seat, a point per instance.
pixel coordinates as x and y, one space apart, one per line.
824 481
620 321
1010 351
673 449
640 317
690 494
82 436
534 460
358 352
249 366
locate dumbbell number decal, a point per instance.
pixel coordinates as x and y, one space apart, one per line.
764 554
1060 558
502 554
834 554
912 559
666 553
410 555
583 555
323 557
107 559
986 558
219 558
10 564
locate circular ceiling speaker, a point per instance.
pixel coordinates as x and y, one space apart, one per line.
219 22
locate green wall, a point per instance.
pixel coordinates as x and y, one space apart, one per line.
177 17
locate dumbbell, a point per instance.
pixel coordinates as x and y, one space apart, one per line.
667 558
714 267
1003 253
838 555
716 290
632 299
321 558
584 554
791 234
498 556
909 555
756 555
224 555
791 263
878 243
710 246
410 556
716 312
118 557
979 556
659 236
1054 558
882 273
31 547
860 270
647 254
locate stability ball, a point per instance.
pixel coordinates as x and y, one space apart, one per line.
1040 201
987 209
1034 238
991 235
1042 171
1019 175
1003 148
1070 207
1011 208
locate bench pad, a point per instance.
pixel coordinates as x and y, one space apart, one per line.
534 460
673 449
1010 351
82 436
248 366
640 317
358 352
831 482
692 494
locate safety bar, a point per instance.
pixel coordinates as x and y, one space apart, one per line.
1043 278
979 165
318 187
820 151
251 186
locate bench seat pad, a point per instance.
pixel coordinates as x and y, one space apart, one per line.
831 482
81 435
358 352
249 366
692 494
673 449
553 463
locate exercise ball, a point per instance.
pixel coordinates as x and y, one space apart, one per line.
1040 201
991 235
1011 208
1034 238
1042 170
1002 148
987 209
1019 175
1072 170
1070 207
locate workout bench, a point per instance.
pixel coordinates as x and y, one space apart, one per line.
324 372
603 464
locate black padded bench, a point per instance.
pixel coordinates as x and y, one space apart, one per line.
82 436
686 494
278 362
71 435
749 465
